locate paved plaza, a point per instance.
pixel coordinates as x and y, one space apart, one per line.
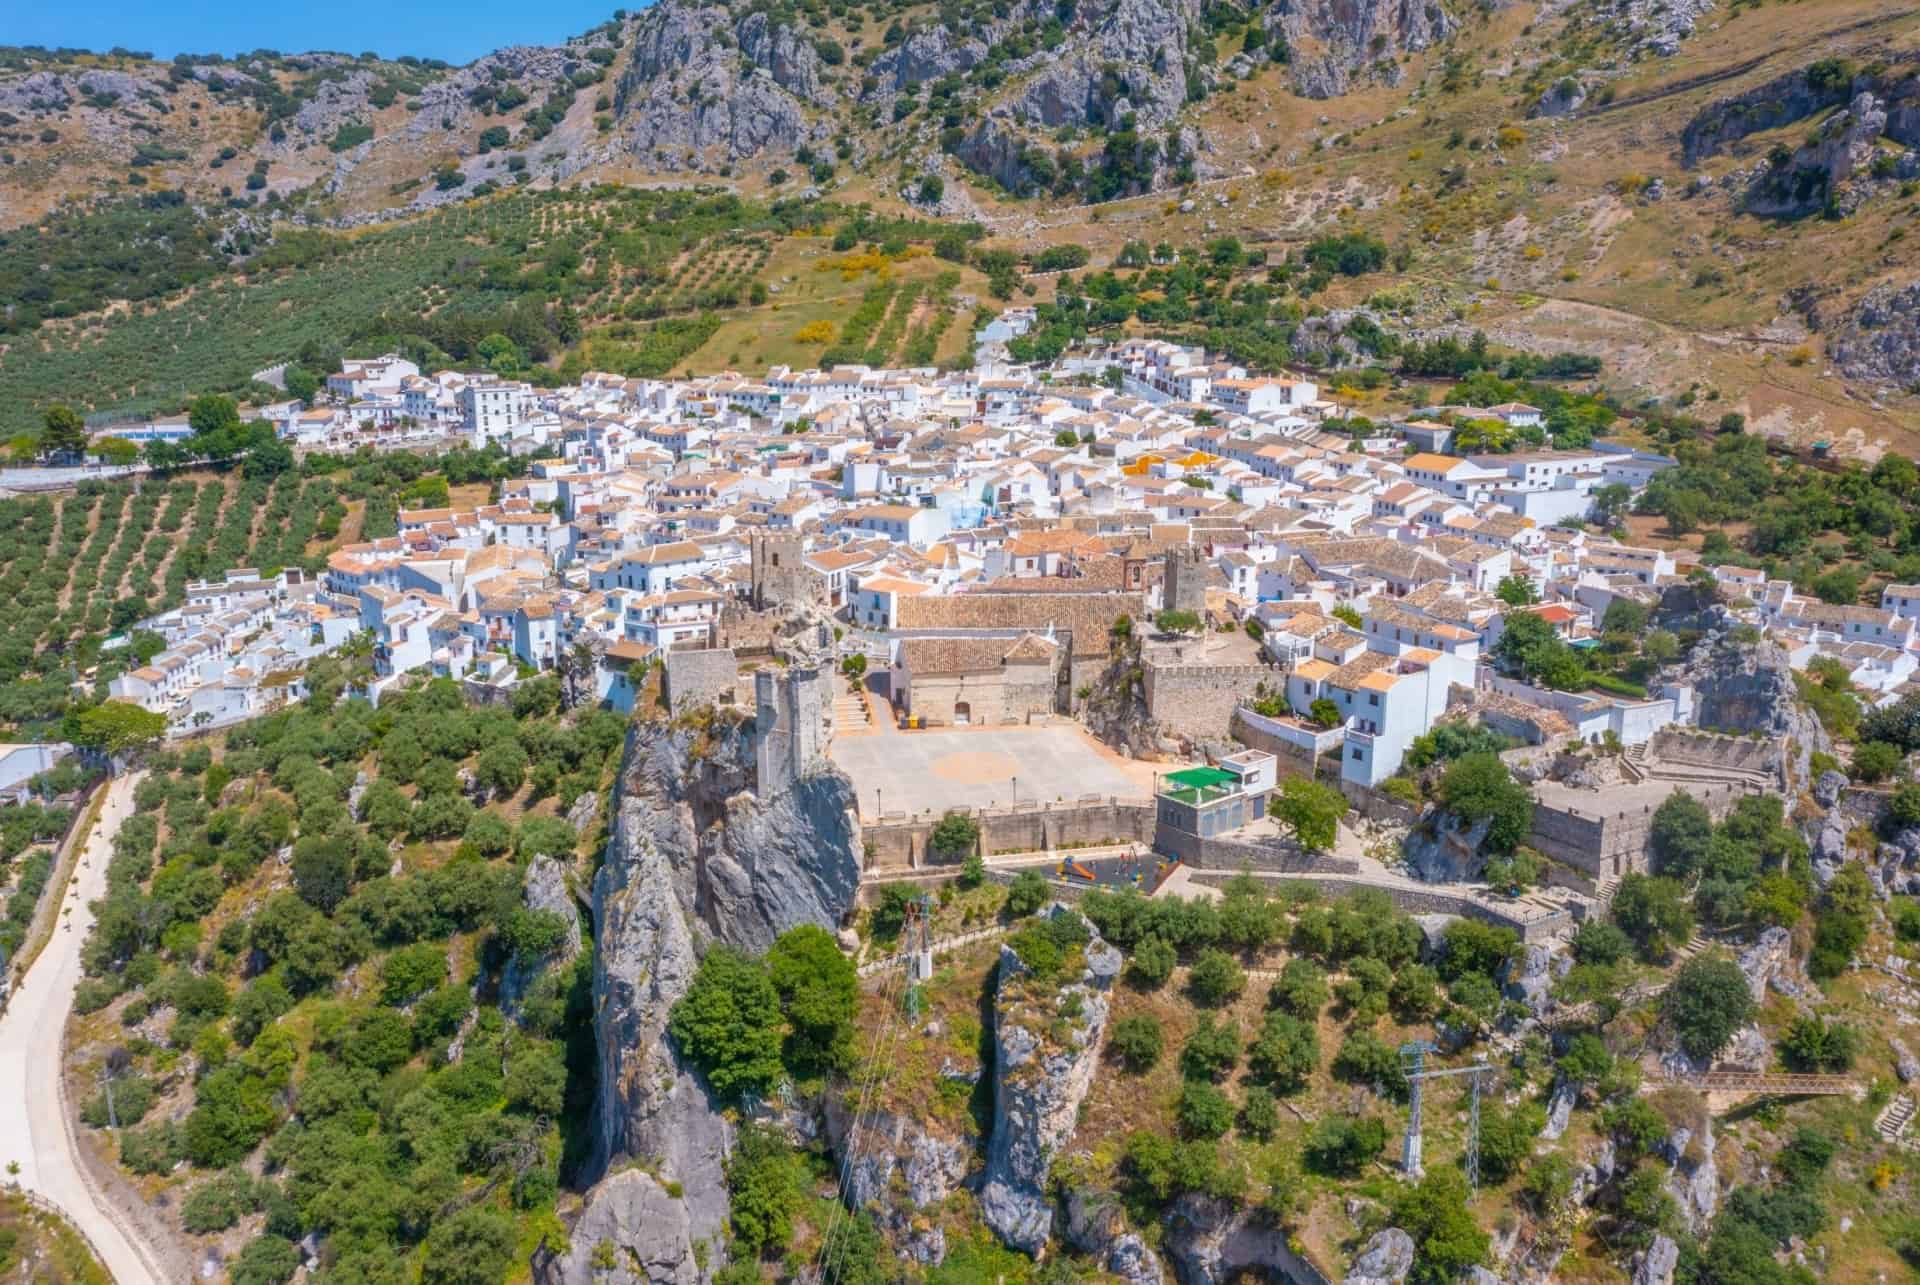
901 771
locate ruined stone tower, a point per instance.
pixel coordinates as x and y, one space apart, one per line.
1183 581
790 724
778 568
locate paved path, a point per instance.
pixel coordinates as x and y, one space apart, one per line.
36 1127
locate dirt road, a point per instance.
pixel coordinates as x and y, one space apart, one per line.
36 1126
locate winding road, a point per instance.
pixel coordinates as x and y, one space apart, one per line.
36 1127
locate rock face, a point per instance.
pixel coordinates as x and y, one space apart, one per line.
1905 1064
1046 1048
1444 851
694 856
1765 958
1335 43
1815 175
1211 1242
1655 1266
1096 1227
745 868
701 91
1384 1260
1694 1183
903 1167
1879 339
545 889
1749 688
646 1233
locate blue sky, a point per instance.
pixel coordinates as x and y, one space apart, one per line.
456 30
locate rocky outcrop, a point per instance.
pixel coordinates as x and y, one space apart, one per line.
1126 57
1655 1265
545 888
694 855
1211 1242
902 1168
1046 1047
650 1107
1384 1260
1529 977
1694 1182
1562 98
745 867
1096 1226
1560 1109
1335 44
1115 710
1442 850
1815 175
1748 687
927 54
1764 959
1797 96
1879 338
632 1231
695 95
1905 1064
1658 26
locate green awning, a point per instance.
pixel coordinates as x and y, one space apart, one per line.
1201 778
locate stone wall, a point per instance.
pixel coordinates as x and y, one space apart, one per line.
1605 842
699 677
1014 693
746 631
1717 750
1236 854
900 842
1198 701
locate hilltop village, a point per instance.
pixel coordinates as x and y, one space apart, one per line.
962 671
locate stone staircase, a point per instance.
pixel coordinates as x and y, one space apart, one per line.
1603 895
1695 944
1894 1121
850 711
1634 761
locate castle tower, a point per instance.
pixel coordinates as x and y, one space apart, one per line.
790 726
1183 583
779 573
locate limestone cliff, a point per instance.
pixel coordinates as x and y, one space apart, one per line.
903 1170
1748 687
746 865
695 855
1046 1047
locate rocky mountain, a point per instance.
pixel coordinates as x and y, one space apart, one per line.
679 87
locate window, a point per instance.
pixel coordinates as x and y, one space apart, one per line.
1356 755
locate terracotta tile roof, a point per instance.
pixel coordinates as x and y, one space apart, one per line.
1089 616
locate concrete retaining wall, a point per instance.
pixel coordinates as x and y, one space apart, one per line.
898 841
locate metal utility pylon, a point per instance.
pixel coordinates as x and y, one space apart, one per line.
1413 1060
917 939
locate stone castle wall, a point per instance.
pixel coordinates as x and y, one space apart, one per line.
702 677
896 842
1198 701
1605 843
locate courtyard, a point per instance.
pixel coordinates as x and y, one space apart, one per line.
931 771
